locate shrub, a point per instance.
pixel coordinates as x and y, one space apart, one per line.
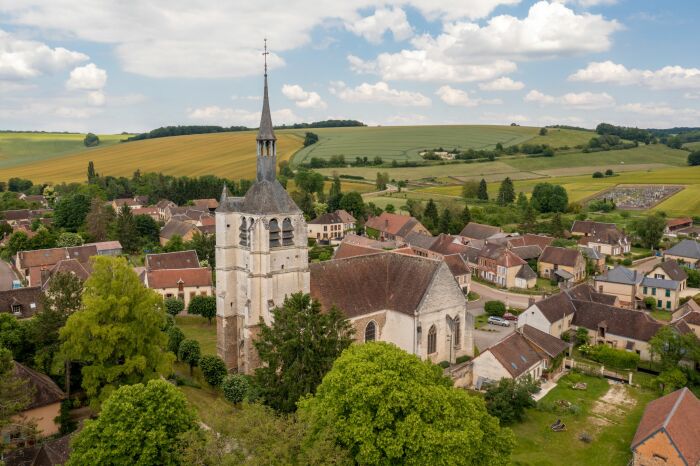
612 357
650 303
189 352
582 337
566 336
609 172
175 337
91 140
627 262
235 387
464 358
444 364
213 369
495 308
174 306
598 175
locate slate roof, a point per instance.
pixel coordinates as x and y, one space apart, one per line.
169 278
28 298
526 272
176 227
365 284
678 415
265 132
44 390
560 256
550 345
475 230
686 248
394 224
673 270
515 354
471 254
172 260
264 197
563 274
527 252
621 275
587 227
661 283
419 240
339 216
591 253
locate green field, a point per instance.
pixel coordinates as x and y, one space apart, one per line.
197 328
557 138
402 143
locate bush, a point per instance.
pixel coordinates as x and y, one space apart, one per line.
612 357
627 262
582 337
598 175
444 364
189 352
174 306
235 387
213 369
650 303
609 172
91 140
204 306
464 358
495 308
175 337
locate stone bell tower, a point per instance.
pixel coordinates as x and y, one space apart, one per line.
261 253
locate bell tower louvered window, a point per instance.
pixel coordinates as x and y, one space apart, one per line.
244 233
287 233
274 233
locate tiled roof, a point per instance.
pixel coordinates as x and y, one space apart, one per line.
475 230
673 270
515 354
457 265
126 201
106 245
333 217
448 244
621 275
587 227
674 222
678 415
364 284
19 214
526 272
394 224
44 391
502 255
80 270
345 250
527 252
163 203
176 227
551 345
556 307
636 325
560 256
661 283
169 278
205 203
686 248
530 239
172 260
367 242
48 257
420 240
28 298
145 211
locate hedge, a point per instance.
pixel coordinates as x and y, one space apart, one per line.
611 357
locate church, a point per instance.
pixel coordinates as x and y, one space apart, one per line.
262 257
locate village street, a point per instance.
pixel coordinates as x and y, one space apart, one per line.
6 276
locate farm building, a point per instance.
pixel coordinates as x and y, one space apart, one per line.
562 264
687 252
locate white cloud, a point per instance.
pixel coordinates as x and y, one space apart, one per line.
502 84
373 27
302 98
204 39
658 109
378 92
668 77
88 78
96 97
214 114
582 100
23 59
504 118
467 51
590 3
406 119
459 98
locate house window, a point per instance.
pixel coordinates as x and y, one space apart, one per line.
181 286
646 291
432 340
668 304
659 303
16 309
668 293
653 291
457 334
601 332
371 331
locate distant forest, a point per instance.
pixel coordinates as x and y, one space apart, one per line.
167 131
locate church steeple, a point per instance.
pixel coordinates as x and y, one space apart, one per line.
266 140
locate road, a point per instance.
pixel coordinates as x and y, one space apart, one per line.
6 276
491 335
520 301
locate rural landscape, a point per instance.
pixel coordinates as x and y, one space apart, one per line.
352 234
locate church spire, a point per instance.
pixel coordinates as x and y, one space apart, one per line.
266 140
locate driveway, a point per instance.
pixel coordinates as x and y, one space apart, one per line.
520 301
491 334
6 276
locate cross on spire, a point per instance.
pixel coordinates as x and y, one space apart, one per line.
265 54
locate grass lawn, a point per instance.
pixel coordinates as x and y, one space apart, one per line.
481 320
661 315
197 328
608 413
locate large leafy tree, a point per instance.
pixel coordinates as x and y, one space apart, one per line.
205 247
506 193
298 349
353 203
14 335
650 230
117 334
388 407
204 306
508 399
547 197
70 211
98 220
147 229
139 424
126 230
670 346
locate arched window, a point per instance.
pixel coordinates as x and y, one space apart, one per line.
432 340
244 232
457 333
274 233
371 331
287 233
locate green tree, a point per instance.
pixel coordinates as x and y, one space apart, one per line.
298 349
509 399
694 158
204 306
173 306
650 230
70 211
213 369
547 197
386 406
175 337
147 229
670 347
126 230
14 337
582 336
543 131
506 192
309 181
91 173
335 194
14 393
117 334
68 239
19 241
430 215
495 308
352 202
382 181
91 140
445 222
98 220
466 216
43 239
235 387
174 244
556 227
139 424
470 189
189 352
205 245
522 201
483 192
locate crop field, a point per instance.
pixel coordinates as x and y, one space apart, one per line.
404 143
229 155
556 137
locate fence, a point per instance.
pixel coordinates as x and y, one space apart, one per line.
598 371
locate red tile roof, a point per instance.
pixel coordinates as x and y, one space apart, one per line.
172 260
169 278
394 224
515 354
346 250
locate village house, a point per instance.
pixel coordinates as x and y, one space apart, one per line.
435 247
162 205
393 227
331 226
108 248
528 352
407 300
185 230
687 253
205 204
669 431
562 264
689 313
178 275
664 284
354 245
34 199
72 266
149 211
32 264
21 302
677 225
620 282
49 452
136 202
190 214
596 258
26 216
605 238
476 234
500 265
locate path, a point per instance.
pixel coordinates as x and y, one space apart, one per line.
390 188
520 301
6 276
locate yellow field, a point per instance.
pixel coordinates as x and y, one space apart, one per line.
230 155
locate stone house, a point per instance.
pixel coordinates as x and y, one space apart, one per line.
476 234
31 265
664 283
162 205
183 284
622 283
133 203
597 258
528 352
205 204
108 248
666 293
686 252
669 431
690 314
21 302
149 211
331 225
562 264
500 265
393 227
407 300
606 238
184 230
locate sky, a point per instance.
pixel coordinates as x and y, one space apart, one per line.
134 65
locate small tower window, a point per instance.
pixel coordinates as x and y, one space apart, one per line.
457 333
244 233
287 233
371 331
274 233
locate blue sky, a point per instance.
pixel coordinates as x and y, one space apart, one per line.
106 66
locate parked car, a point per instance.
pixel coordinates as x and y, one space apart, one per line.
509 316
16 284
493 320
